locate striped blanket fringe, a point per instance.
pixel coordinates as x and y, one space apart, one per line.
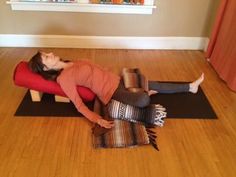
152 136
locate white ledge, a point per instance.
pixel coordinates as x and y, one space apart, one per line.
81 7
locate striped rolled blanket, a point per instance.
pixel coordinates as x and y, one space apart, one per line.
153 114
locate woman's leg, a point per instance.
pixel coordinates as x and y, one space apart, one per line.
162 87
139 99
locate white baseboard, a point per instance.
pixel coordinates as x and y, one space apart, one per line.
108 42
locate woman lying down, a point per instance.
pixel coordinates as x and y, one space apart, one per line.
105 84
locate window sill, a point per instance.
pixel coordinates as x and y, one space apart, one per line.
81 7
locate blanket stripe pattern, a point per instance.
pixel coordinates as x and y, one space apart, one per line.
123 134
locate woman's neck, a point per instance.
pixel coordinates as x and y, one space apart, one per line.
63 65
68 64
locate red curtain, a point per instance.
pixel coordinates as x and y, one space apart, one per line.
222 46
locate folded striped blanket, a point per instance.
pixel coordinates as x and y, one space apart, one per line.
123 134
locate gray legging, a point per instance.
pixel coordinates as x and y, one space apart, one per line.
142 99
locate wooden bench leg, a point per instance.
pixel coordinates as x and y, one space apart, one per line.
61 99
36 95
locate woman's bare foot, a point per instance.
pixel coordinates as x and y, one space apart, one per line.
152 92
193 87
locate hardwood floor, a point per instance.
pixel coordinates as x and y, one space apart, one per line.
61 147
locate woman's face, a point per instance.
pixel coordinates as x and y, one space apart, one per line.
49 60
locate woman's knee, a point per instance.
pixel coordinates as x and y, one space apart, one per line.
143 101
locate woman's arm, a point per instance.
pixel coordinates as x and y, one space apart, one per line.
70 90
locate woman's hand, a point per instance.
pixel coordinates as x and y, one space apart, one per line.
105 123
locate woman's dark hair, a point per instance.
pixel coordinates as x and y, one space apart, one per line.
35 64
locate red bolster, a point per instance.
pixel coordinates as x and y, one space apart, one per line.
24 77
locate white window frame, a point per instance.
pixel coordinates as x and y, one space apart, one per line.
83 6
